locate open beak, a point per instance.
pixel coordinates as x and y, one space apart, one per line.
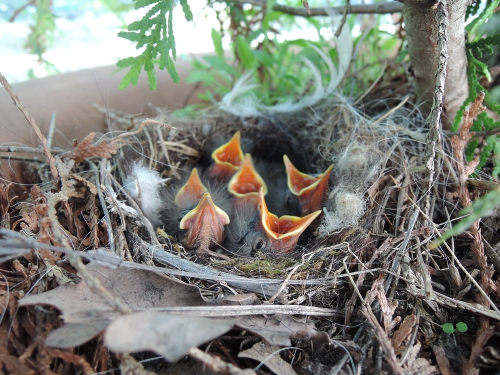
283 232
204 224
228 159
191 192
311 190
247 183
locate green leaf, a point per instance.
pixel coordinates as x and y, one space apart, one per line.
143 3
482 207
201 76
187 10
150 71
483 17
219 63
448 328
171 70
461 327
217 40
132 77
265 58
244 52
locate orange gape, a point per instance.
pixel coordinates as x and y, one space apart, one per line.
228 158
246 184
204 224
310 190
284 231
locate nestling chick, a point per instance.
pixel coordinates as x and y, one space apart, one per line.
311 190
256 229
196 213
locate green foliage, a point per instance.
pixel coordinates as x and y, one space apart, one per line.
477 72
482 207
490 7
460 327
280 72
42 32
153 32
448 328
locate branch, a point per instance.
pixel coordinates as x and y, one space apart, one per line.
382 8
434 118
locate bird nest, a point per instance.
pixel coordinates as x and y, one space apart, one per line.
362 292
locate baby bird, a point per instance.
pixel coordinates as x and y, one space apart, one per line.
310 190
195 214
227 158
254 229
246 184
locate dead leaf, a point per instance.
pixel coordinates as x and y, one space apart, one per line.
85 149
403 332
71 335
269 356
278 330
138 289
165 334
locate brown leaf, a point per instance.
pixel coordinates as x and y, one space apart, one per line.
278 329
269 356
403 332
85 149
168 335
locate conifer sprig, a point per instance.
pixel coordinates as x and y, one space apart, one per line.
154 32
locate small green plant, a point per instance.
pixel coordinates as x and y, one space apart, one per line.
154 32
460 327
476 71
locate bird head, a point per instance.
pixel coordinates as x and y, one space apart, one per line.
228 158
204 224
282 233
202 220
191 192
311 190
246 183
254 228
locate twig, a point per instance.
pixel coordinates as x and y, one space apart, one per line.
19 10
28 150
434 118
381 8
52 127
347 10
217 365
48 155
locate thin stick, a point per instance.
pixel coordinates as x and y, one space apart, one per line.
381 8
31 120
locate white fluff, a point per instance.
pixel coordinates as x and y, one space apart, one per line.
144 184
349 208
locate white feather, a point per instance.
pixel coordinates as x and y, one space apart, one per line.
144 184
